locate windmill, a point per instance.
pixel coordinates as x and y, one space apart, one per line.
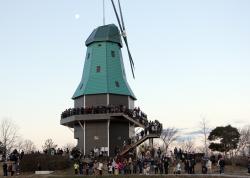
104 90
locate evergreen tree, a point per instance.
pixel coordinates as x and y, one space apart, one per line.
224 139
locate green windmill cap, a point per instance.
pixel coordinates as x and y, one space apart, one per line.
105 33
100 43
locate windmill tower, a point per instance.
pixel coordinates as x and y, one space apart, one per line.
103 86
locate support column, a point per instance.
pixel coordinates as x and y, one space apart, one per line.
84 134
108 124
151 142
107 99
84 138
84 103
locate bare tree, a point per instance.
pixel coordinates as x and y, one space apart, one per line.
1 148
169 135
28 146
244 141
8 135
188 145
68 147
49 144
19 144
205 132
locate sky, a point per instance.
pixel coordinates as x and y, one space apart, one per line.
192 60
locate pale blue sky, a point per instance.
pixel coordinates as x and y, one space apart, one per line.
192 58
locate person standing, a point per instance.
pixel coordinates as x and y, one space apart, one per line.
13 169
209 166
87 168
204 166
5 169
113 166
116 167
76 167
160 166
222 165
159 152
156 166
110 167
166 165
10 169
178 168
100 167
193 162
130 164
248 165
80 168
95 168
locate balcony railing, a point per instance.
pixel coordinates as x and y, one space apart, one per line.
135 113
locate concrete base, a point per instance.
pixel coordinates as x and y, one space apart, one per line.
43 172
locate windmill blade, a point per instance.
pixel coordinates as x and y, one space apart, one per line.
123 25
117 17
126 43
130 56
122 29
130 59
124 33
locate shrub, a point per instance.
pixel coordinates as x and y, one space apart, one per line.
30 162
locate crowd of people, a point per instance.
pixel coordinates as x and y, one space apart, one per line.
148 161
153 161
58 151
135 113
11 164
122 166
152 127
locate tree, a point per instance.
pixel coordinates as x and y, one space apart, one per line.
169 135
8 135
28 146
224 139
19 145
49 144
244 141
68 147
1 148
205 132
187 145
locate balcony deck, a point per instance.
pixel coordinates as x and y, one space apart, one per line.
71 120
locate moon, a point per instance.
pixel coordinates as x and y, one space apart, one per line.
77 16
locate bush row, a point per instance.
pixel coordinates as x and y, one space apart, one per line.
31 162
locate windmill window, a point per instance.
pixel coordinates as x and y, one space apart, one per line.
98 69
113 53
99 45
88 55
117 84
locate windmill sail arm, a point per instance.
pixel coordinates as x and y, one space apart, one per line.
117 16
123 33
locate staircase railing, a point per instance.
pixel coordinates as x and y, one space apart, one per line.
133 145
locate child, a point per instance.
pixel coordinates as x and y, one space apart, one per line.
76 167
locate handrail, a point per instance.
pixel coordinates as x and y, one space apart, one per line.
131 146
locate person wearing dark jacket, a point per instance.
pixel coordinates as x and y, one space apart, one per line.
166 165
221 165
248 165
5 169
